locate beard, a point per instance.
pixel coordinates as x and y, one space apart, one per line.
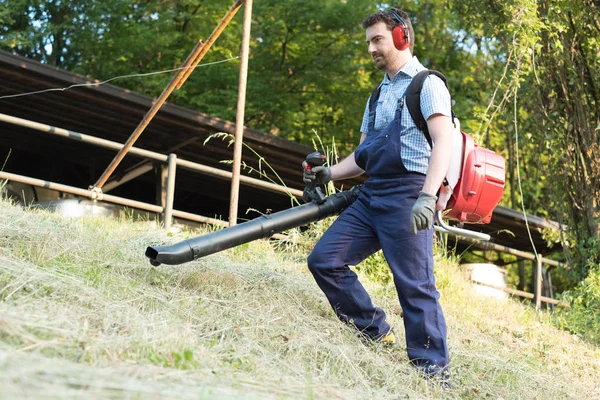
381 60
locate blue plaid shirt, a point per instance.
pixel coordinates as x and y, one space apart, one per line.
435 99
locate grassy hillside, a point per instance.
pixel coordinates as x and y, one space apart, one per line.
84 315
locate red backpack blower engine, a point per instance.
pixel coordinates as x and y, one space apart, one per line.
476 180
473 186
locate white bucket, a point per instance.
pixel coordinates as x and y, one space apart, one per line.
490 274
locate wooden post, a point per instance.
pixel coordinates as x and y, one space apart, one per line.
538 283
239 124
170 197
549 292
522 279
161 172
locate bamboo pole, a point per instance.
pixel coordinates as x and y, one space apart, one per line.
211 40
239 124
198 52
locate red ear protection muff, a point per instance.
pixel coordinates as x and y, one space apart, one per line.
400 31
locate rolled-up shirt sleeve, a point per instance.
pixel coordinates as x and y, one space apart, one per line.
435 98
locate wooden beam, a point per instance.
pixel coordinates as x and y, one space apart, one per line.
132 173
518 292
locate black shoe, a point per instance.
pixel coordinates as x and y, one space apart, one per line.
438 377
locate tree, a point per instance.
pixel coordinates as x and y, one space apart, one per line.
549 95
568 82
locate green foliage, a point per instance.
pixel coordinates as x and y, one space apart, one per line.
376 269
308 65
567 79
547 110
177 360
582 316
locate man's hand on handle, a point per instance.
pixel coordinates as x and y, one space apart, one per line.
318 175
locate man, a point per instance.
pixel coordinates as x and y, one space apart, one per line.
395 209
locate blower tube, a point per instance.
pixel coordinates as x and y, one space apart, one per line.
262 227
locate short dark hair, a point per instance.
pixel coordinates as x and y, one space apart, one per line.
389 20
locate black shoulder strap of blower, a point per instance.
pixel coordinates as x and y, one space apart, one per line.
413 99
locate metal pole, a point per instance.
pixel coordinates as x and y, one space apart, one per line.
108 144
107 197
168 214
177 80
549 283
239 124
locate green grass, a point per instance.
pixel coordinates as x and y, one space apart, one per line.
84 315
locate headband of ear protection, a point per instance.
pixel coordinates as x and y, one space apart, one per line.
400 32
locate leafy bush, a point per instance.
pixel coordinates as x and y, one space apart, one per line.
582 316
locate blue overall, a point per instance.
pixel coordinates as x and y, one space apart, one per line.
380 219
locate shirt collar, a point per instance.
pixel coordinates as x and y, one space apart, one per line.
410 69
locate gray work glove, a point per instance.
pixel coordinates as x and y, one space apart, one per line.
318 175
421 215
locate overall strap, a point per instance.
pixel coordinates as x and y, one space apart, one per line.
373 106
413 100
374 97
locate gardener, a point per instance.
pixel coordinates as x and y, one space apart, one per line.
395 209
